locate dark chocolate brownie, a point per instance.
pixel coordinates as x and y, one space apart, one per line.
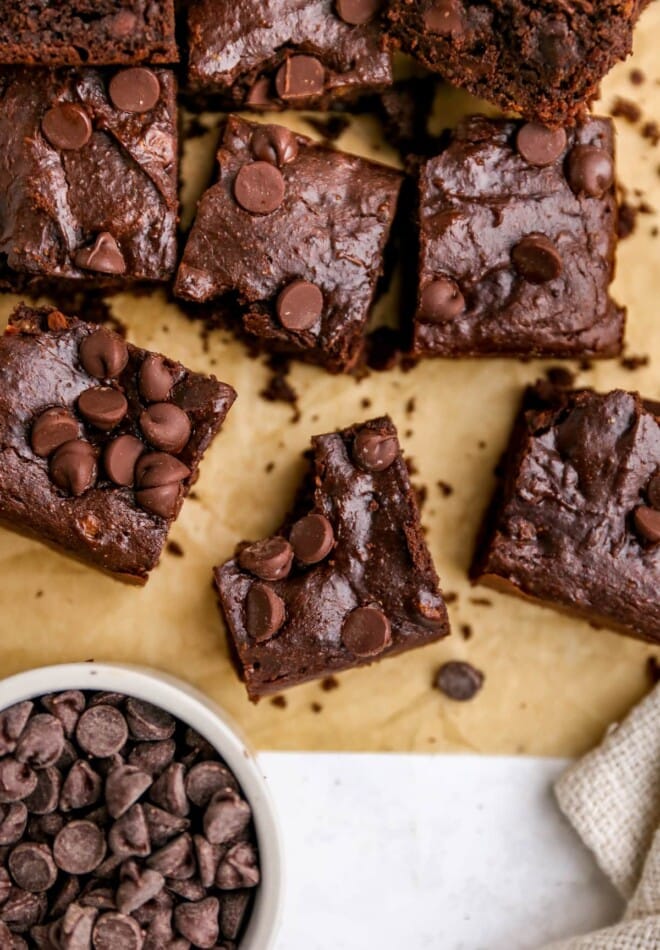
575 523
353 583
517 232
100 441
88 178
287 53
543 61
297 233
87 32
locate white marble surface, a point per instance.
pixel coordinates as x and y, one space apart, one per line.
394 852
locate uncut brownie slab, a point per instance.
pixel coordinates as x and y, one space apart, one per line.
347 580
575 523
517 237
88 178
296 233
286 53
100 440
87 32
542 61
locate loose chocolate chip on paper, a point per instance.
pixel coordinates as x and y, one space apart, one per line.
357 12
441 300
79 848
104 256
300 77
270 559
366 632
459 680
274 144
537 259
264 612
375 451
102 407
103 354
259 188
539 145
134 90
445 18
67 126
590 170
102 731
166 426
120 458
73 467
155 378
299 305
51 429
312 538
647 523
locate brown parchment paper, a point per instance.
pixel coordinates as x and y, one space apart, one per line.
552 683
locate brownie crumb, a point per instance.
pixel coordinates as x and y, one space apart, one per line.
331 127
269 467
560 376
39 594
450 597
328 683
480 601
410 406
279 702
174 548
459 680
316 707
383 349
193 495
634 362
411 466
278 388
627 220
445 488
466 631
653 669
365 402
626 109
586 365
651 131
637 77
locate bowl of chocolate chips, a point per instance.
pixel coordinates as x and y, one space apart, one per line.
132 817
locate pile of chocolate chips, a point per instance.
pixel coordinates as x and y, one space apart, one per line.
156 476
119 828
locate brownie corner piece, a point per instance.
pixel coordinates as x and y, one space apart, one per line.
100 440
295 234
518 233
347 580
575 520
287 54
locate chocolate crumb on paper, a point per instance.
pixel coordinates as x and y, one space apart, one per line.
459 680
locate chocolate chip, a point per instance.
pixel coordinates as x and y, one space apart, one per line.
445 18
205 779
120 458
66 707
134 90
12 723
23 910
44 799
32 867
375 451
103 355
459 680
102 731
153 757
239 868
102 407
104 256
590 170
191 890
148 722
157 469
226 817
51 429
312 538
537 259
155 378
13 821
162 501
123 787
366 632
357 12
208 857
274 144
653 492
73 467
67 126
176 859
17 780
166 426
259 188
113 931
81 788
259 96
41 742
79 848
101 898
162 825
441 300
270 559
647 523
300 77
5 887
264 612
169 791
198 922
138 886
74 932
129 836
539 145
299 305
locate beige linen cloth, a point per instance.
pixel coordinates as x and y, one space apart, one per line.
612 798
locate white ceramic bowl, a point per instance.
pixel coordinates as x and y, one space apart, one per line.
196 710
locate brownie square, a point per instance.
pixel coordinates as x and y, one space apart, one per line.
88 179
347 580
87 32
542 61
518 230
575 523
296 233
100 440
287 53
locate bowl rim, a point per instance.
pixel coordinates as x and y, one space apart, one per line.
212 722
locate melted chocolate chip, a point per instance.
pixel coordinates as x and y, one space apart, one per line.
67 126
647 523
441 300
537 259
274 144
270 560
52 429
259 188
264 612
312 538
366 632
590 170
539 145
300 77
104 256
134 90
445 18
459 680
120 458
73 467
155 379
103 354
357 12
374 451
299 305
103 407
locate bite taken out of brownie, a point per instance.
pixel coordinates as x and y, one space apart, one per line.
100 440
575 522
347 580
544 61
88 178
517 237
295 234
296 54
